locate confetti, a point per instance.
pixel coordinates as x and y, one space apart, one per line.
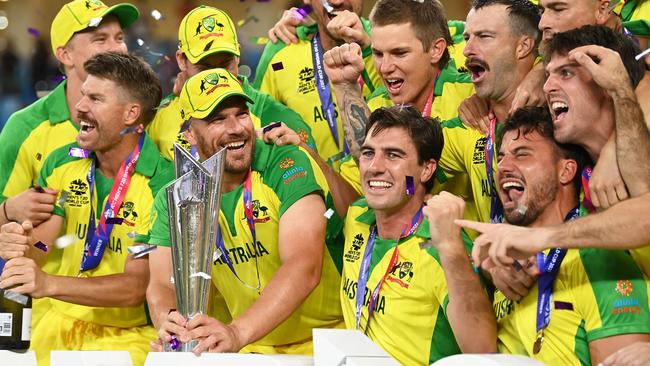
57 78
329 7
94 22
185 126
277 66
140 42
175 344
303 11
243 22
410 186
273 125
65 241
34 32
642 54
42 246
203 275
329 213
259 40
156 14
131 234
171 280
114 221
63 198
217 254
78 152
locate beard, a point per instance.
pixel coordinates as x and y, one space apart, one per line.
541 195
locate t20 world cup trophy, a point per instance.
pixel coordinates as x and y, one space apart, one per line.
193 200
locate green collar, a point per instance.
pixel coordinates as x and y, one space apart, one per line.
56 105
368 217
449 74
149 157
262 154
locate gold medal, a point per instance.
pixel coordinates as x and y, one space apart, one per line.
537 346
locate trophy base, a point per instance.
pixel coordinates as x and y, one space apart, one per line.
180 347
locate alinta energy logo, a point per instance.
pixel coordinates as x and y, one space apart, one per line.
205 28
212 81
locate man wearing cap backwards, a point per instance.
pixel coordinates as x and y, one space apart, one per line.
275 276
111 175
208 39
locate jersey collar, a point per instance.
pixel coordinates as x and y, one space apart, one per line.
57 105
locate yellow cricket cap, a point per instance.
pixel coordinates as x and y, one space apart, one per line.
205 31
78 15
203 92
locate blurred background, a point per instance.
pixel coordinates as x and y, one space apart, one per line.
29 70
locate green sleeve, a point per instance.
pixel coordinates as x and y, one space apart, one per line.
289 172
159 231
265 62
620 291
46 177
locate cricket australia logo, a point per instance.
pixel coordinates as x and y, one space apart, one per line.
128 213
306 82
205 28
354 253
401 274
260 213
94 5
211 82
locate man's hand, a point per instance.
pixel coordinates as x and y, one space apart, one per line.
502 244
16 240
512 283
604 65
636 354
31 206
175 324
530 91
285 28
606 184
214 335
474 113
348 27
441 211
280 135
344 64
26 276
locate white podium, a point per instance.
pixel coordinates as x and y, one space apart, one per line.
90 358
18 359
224 359
344 347
487 360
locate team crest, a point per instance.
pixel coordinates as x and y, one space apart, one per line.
208 24
401 274
94 5
213 81
260 212
127 212
286 163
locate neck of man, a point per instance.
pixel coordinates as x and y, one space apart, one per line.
73 93
423 97
391 223
232 180
602 129
500 106
109 161
555 213
325 40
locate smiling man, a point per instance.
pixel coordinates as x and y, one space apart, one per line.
407 281
275 276
108 180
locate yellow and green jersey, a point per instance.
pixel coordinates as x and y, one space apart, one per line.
456 29
69 174
635 15
164 129
597 294
409 318
281 175
286 72
29 137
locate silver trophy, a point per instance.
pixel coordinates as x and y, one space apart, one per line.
193 200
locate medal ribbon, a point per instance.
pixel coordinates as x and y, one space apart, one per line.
549 267
98 237
427 107
586 199
325 91
496 208
365 268
248 212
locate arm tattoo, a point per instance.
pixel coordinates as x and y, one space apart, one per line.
355 114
